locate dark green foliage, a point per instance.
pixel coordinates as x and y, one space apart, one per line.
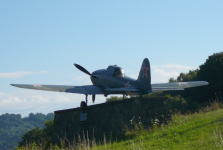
179 104
113 98
184 77
212 72
171 79
190 76
37 135
12 127
176 103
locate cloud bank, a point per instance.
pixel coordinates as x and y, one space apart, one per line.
25 101
162 74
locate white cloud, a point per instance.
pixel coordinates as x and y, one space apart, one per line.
161 74
19 74
166 74
26 101
134 76
1 94
174 67
63 99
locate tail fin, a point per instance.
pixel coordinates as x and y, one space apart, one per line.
144 74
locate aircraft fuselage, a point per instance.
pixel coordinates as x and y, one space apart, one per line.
110 80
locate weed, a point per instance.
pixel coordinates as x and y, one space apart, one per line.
186 131
218 139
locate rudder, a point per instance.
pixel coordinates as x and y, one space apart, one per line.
144 74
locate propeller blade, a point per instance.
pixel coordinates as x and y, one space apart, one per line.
82 69
93 98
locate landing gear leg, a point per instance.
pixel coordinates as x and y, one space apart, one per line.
123 97
86 100
84 103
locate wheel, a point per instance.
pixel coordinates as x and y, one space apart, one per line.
83 104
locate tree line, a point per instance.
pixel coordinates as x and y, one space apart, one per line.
13 127
212 72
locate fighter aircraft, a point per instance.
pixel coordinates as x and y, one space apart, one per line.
113 81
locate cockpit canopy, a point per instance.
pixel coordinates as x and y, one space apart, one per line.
116 71
111 70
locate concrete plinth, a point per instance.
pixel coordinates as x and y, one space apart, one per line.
109 119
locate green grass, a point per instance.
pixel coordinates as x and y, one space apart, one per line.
192 131
197 131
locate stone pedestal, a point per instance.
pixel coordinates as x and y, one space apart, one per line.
110 118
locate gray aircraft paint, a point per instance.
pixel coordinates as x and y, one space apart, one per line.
106 81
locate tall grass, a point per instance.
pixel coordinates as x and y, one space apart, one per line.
218 139
199 130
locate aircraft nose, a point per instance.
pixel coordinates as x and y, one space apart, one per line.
94 76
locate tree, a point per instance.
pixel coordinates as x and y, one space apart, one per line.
113 98
36 135
13 126
212 72
190 76
172 79
184 77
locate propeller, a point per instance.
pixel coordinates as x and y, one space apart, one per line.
93 98
82 69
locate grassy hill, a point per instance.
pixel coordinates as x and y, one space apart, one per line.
197 131
200 130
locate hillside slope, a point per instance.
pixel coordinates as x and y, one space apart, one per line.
197 131
194 131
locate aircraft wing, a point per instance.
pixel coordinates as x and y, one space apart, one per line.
122 89
176 85
88 89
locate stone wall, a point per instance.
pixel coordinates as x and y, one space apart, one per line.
109 119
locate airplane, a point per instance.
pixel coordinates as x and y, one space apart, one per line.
114 81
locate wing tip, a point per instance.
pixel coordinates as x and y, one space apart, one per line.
206 82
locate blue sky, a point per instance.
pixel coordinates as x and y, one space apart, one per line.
40 41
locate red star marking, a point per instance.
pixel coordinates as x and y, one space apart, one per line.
35 85
127 85
145 69
182 83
